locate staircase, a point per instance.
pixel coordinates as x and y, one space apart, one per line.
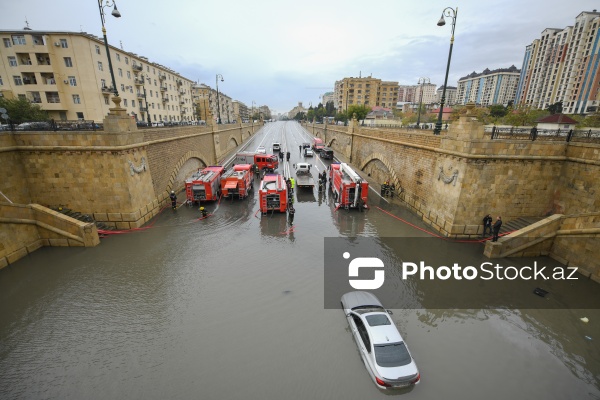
84 218
518 223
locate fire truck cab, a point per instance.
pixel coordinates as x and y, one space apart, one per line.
238 181
204 185
267 162
273 194
349 189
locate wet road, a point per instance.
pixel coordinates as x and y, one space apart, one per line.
231 307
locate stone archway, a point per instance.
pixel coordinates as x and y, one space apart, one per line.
231 143
381 170
331 143
184 168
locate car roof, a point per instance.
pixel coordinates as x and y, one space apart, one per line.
359 298
382 334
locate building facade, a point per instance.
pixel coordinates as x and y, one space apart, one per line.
563 65
67 74
205 101
327 97
298 109
240 111
425 93
407 93
369 91
450 95
489 87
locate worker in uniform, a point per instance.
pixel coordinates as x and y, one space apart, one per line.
392 190
204 212
287 155
173 197
292 184
383 188
291 212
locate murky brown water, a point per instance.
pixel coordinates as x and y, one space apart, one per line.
232 307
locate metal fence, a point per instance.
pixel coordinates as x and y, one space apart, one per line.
52 125
532 134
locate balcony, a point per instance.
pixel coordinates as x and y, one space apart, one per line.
139 81
162 77
163 88
165 99
143 109
137 67
182 91
139 95
182 102
107 89
179 82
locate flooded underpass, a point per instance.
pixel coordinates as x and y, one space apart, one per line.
233 306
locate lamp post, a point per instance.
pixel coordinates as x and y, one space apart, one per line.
447 12
421 81
115 13
146 99
218 101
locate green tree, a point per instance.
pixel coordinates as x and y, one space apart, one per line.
498 111
360 110
22 110
555 108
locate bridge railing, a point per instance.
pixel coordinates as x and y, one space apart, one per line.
533 133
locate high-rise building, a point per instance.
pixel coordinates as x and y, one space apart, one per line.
563 65
67 74
425 93
368 91
450 95
406 93
488 87
205 100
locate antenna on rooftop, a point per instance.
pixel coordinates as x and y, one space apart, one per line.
27 28
121 43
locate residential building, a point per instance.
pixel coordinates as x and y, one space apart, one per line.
406 93
327 97
68 75
450 95
563 65
205 99
240 111
368 91
425 94
487 88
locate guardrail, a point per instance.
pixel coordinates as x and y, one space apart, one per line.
52 125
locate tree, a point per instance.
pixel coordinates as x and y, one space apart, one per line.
498 111
360 110
22 110
555 108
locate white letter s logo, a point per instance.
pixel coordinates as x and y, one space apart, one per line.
366 262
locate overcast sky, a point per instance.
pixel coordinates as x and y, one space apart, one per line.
279 53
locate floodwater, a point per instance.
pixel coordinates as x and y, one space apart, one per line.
231 307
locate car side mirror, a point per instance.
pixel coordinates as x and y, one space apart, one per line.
389 312
348 315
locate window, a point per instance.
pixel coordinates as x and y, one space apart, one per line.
132 103
12 61
120 72
18 80
72 81
18 39
151 93
128 74
362 330
68 62
127 60
118 57
1 83
7 42
97 49
147 69
79 115
106 100
76 99
125 102
130 89
64 44
100 66
122 87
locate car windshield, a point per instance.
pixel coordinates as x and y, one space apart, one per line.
366 309
378 319
392 355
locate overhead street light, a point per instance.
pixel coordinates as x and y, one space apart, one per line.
218 100
115 13
447 12
421 82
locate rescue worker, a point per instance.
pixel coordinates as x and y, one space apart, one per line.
173 197
496 229
291 212
287 156
292 184
392 190
383 188
204 212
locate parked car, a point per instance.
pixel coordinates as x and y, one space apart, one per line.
276 146
308 152
33 126
380 345
305 145
261 150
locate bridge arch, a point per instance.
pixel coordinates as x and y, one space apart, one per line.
380 168
331 143
189 163
231 143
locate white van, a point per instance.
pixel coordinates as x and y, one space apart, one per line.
276 147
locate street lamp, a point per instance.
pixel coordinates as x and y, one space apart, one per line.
218 101
115 13
447 12
146 98
421 81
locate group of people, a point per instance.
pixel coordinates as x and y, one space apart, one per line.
387 189
493 229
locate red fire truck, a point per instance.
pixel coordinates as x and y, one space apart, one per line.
269 162
238 181
318 144
273 194
204 185
349 189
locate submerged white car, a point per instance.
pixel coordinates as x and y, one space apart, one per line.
261 150
380 345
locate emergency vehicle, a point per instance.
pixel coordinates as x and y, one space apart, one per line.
349 189
263 161
204 185
238 181
318 144
273 194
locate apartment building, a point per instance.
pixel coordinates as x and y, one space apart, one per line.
406 93
489 87
205 101
425 93
368 91
240 110
450 95
327 97
68 75
298 109
563 65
